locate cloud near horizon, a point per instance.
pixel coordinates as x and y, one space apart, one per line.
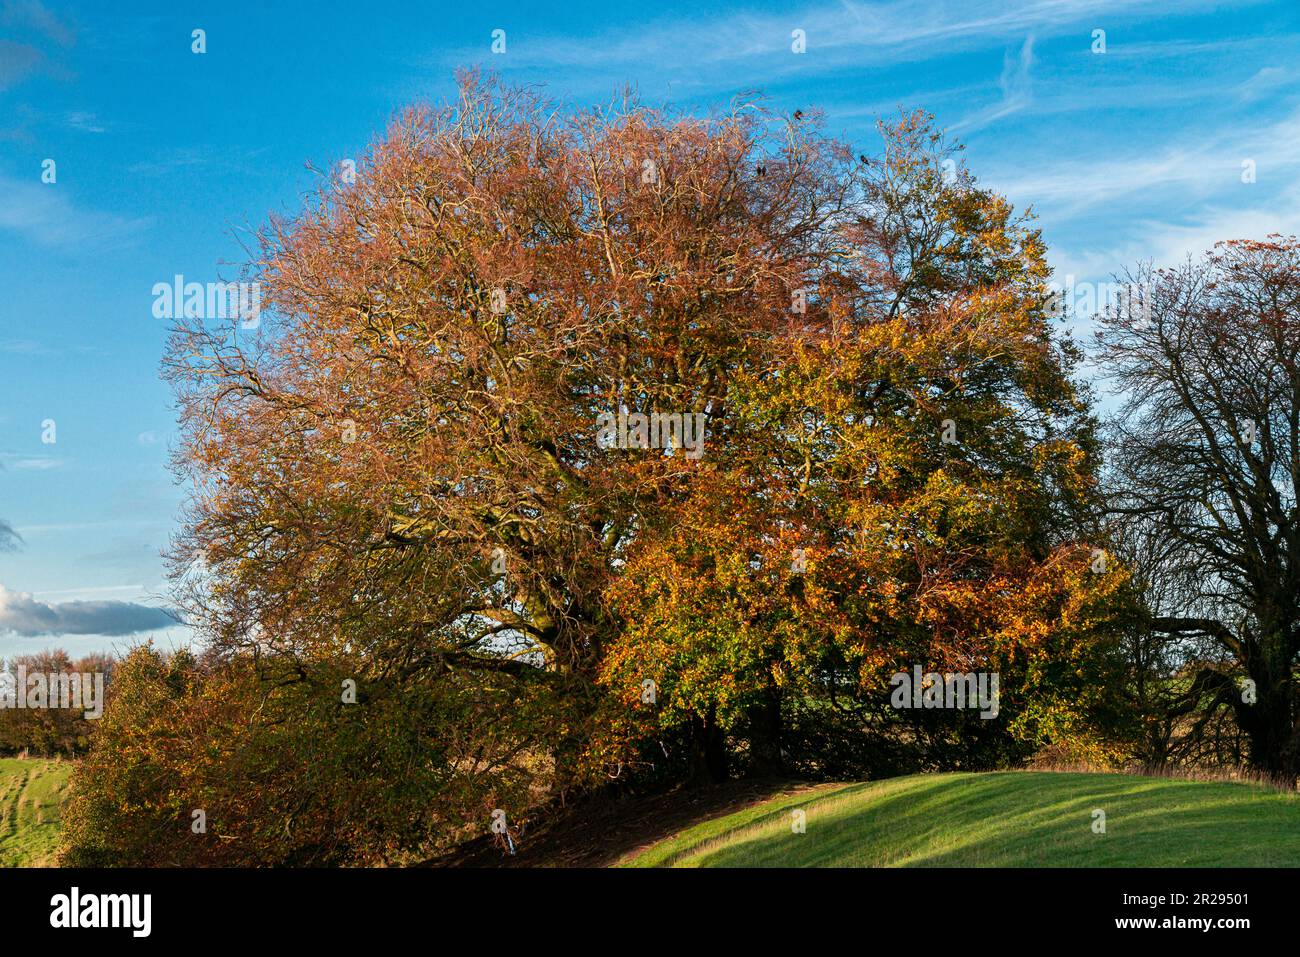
22 614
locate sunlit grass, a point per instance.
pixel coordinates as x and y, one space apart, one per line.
30 793
1011 819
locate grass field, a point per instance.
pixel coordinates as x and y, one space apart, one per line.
1012 819
30 792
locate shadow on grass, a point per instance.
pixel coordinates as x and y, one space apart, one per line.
1015 819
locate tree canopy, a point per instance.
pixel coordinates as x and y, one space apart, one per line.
400 478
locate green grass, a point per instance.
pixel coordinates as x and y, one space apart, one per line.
30 793
1005 819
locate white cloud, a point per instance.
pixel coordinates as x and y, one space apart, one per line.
1198 165
1167 243
838 34
23 614
1016 86
44 214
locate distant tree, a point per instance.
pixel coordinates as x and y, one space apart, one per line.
50 729
1206 449
1179 719
9 539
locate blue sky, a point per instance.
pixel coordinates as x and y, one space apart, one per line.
166 158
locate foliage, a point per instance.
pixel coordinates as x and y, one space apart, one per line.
283 769
397 478
49 731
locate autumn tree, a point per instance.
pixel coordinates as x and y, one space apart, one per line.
1207 452
916 485
206 761
403 459
541 406
56 725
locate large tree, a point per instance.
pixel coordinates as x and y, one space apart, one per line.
403 460
913 484
1207 452
401 471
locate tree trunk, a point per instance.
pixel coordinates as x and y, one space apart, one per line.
765 759
709 750
1269 723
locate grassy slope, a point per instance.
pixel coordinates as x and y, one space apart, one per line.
30 792
1012 819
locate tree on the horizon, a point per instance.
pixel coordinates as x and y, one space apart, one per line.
9 537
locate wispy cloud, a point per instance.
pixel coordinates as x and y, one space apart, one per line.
1016 86
44 214
174 159
225 157
22 347
31 463
711 47
85 122
1196 164
37 463
1168 242
1266 80
18 61
137 590
33 15
62 527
